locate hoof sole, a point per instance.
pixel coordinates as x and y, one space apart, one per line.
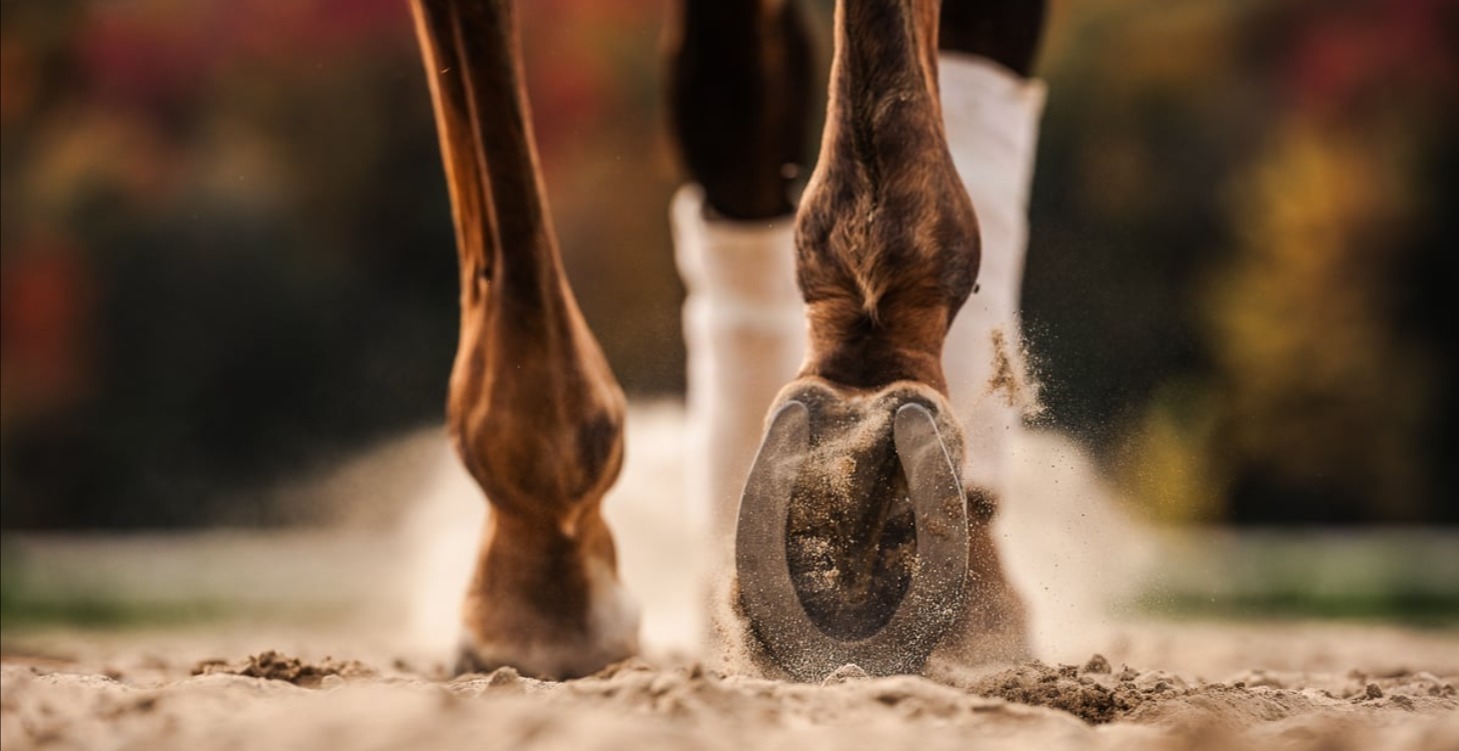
934 596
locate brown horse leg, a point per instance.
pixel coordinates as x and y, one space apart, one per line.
1007 32
534 411
862 449
739 96
888 249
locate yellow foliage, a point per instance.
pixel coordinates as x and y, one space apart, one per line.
1168 463
1320 387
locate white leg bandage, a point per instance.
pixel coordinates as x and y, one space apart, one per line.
744 329
991 116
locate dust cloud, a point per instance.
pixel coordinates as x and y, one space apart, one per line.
1067 546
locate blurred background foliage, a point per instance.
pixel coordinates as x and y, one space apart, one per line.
227 254
1237 282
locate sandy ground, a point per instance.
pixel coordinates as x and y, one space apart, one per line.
1322 687
376 679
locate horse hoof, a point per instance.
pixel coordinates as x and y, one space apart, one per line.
889 615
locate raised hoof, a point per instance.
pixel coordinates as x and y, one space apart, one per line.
803 636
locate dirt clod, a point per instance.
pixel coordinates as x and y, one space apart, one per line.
1083 696
276 666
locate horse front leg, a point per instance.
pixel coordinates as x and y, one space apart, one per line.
854 539
534 411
